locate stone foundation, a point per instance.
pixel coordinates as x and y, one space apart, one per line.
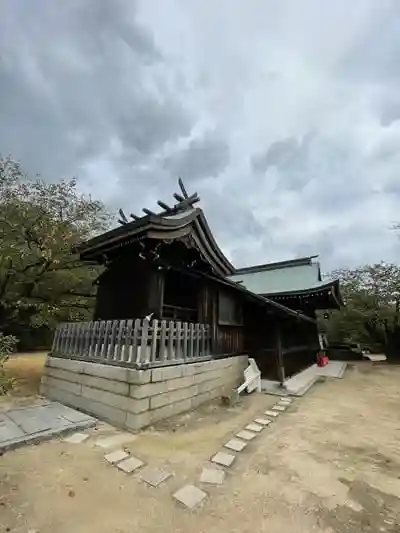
134 399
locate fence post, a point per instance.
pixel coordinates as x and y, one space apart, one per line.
105 340
134 341
94 340
154 339
171 340
113 334
70 330
178 342
197 340
119 356
185 340
141 357
56 339
163 337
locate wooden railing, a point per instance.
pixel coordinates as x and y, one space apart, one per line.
136 343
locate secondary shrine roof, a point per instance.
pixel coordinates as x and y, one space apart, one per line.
294 277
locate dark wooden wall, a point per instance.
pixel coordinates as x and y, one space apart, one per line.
264 331
123 290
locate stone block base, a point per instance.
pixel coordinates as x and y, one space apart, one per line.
134 399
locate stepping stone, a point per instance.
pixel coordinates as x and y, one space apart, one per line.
236 445
272 413
115 440
130 465
263 421
76 438
280 408
212 476
190 496
246 435
116 457
286 400
223 459
286 404
154 476
254 427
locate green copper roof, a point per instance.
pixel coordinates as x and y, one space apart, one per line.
287 276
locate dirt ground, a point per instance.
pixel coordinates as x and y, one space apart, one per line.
329 464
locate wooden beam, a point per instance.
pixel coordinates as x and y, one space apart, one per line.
148 212
178 197
182 187
165 206
187 202
123 217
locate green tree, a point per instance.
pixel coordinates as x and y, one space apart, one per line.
372 297
42 281
7 346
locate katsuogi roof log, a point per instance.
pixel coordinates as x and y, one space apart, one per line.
181 221
184 202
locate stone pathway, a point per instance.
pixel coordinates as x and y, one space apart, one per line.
54 418
190 495
26 425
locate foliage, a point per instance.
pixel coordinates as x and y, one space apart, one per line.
41 278
372 297
7 346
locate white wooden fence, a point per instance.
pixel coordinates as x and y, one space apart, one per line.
136 343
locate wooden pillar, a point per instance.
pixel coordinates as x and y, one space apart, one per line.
279 354
202 305
156 293
214 321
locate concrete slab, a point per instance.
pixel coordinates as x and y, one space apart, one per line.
212 476
246 435
300 383
236 445
115 440
76 438
60 410
272 413
34 419
263 421
154 476
334 369
36 423
9 429
116 457
278 407
223 459
257 428
190 496
130 464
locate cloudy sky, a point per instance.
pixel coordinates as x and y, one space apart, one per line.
283 115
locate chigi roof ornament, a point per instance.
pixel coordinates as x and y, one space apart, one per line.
184 202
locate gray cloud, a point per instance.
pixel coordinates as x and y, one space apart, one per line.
277 154
202 158
286 123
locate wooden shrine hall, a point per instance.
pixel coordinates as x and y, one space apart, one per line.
167 265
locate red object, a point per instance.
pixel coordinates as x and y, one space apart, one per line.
322 359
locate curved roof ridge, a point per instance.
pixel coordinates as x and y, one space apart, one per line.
301 261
